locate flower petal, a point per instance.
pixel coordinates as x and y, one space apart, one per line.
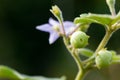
45 27
69 26
53 22
53 37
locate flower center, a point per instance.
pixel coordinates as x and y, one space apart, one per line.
56 28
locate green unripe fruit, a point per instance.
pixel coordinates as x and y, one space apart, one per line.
79 39
104 58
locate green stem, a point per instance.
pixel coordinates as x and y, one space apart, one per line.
102 44
113 12
62 28
80 75
104 40
80 66
116 59
76 57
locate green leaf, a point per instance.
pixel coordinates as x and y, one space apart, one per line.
93 18
80 20
11 74
84 27
43 78
6 72
85 52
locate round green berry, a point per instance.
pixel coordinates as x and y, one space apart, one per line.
79 39
103 58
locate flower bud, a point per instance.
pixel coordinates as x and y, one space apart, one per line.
56 12
79 39
103 58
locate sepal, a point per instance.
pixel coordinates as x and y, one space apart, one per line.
116 59
85 52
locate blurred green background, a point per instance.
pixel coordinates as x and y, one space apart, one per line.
26 49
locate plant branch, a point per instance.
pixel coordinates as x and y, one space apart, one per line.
104 40
62 28
77 59
101 45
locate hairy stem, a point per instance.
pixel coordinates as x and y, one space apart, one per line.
104 40
62 28
80 66
102 44
77 59
113 12
80 75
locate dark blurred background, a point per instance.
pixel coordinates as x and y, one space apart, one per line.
27 50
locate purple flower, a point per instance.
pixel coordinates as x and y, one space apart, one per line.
53 29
